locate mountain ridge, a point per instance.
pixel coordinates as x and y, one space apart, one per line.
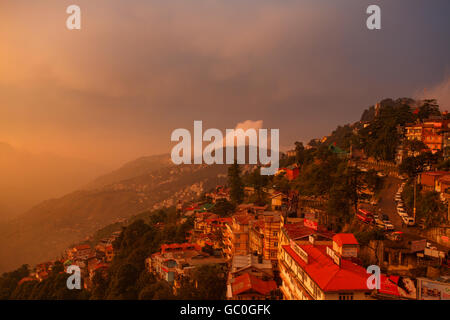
48 228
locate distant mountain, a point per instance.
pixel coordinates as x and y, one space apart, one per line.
27 179
132 169
48 228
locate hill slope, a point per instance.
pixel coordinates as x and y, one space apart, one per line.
132 169
45 230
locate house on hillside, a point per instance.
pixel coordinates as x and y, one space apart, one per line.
175 262
429 180
249 287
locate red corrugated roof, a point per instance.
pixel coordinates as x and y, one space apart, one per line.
242 219
182 246
445 178
345 238
326 274
83 247
247 282
435 173
299 230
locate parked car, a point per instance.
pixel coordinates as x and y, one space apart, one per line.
402 214
388 226
409 221
379 223
395 236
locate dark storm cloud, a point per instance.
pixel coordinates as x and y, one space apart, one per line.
139 69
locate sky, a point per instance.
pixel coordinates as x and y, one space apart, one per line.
139 69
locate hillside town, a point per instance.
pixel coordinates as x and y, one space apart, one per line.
280 240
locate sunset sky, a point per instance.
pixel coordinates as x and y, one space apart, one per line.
138 69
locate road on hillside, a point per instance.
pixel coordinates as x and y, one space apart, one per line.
388 206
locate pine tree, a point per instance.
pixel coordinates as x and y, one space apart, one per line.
235 184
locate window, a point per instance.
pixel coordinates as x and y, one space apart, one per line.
346 296
301 273
275 234
275 244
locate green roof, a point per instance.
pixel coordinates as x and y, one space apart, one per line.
205 207
67 262
336 149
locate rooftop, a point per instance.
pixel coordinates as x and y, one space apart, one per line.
248 282
435 173
179 247
345 238
326 274
298 230
244 261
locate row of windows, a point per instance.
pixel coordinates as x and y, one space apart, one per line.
346 296
301 275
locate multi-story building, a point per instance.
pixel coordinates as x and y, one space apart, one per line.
413 131
272 225
236 235
256 237
79 252
430 179
106 250
249 263
257 234
433 133
279 201
176 261
250 277
322 272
